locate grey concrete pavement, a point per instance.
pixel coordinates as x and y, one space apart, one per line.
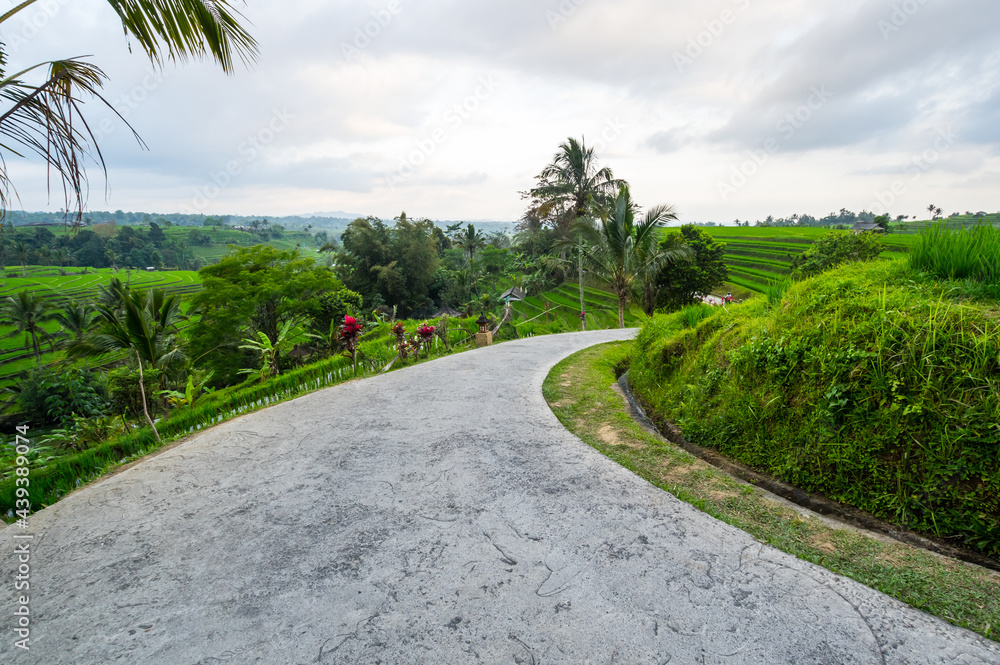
437 514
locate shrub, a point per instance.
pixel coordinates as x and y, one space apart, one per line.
835 249
47 396
123 387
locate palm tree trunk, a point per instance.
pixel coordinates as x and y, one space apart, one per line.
579 267
142 391
621 310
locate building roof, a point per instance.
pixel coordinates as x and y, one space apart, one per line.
514 294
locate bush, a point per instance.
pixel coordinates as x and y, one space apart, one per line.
48 396
835 249
123 387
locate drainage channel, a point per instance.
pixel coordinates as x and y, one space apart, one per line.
822 507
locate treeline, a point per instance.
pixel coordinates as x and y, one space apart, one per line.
103 246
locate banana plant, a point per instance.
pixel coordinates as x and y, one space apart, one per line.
270 352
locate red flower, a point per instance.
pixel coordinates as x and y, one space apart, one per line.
350 328
425 331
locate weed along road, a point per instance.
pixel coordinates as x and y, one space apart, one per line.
436 514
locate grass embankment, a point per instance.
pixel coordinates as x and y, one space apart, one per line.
579 391
872 384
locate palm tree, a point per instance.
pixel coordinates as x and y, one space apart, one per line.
44 116
26 312
574 186
471 241
625 253
21 252
144 327
60 255
76 320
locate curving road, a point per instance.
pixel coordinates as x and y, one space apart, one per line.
438 514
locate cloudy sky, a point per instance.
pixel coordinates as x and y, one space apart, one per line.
448 108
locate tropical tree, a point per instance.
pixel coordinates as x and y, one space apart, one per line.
679 283
43 101
27 312
571 188
21 251
623 251
270 353
470 241
145 328
76 320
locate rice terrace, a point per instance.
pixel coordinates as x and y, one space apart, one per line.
415 339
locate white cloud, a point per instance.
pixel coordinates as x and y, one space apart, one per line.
411 96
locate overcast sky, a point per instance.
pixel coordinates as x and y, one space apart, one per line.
448 108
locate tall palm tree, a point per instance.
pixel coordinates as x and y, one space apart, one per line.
22 253
573 187
623 251
471 241
26 312
40 105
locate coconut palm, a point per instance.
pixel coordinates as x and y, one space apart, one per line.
571 188
43 101
22 253
625 252
26 312
144 327
76 320
470 241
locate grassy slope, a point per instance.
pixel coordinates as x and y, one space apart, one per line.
578 391
868 384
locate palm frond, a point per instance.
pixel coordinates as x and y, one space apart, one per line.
180 29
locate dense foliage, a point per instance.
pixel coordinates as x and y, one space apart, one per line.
835 249
869 384
679 283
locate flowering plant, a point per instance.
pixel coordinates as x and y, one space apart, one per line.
350 331
350 328
425 331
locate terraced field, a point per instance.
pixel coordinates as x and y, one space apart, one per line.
564 305
757 256
60 290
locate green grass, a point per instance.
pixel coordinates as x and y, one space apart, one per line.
871 384
759 256
971 253
578 391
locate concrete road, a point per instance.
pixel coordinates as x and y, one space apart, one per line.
438 514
